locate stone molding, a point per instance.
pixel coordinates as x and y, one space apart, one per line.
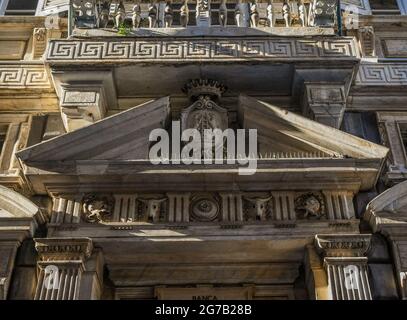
382 74
344 245
23 77
51 249
119 51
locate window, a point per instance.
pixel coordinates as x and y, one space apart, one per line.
384 7
18 7
403 134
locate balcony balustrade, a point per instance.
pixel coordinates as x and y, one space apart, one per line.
201 13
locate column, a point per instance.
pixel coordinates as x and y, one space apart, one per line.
345 263
68 270
8 251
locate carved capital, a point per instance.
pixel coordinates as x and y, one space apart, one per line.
345 245
57 249
324 102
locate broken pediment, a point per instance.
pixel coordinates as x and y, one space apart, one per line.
121 136
114 152
388 209
284 134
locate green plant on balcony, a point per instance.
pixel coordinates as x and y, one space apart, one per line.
123 30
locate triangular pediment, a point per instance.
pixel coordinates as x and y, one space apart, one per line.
122 136
125 136
285 134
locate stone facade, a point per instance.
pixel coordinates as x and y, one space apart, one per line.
85 214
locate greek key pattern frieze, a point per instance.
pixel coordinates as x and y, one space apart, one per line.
197 49
14 77
382 74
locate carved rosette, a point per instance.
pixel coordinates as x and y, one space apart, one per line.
204 208
310 205
97 208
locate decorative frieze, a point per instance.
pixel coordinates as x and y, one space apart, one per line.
310 206
179 50
382 74
180 207
283 205
339 205
66 211
125 208
22 77
232 209
97 208
258 208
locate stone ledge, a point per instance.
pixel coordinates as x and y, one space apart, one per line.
213 31
181 50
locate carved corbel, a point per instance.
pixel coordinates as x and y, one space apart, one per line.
324 102
367 40
82 104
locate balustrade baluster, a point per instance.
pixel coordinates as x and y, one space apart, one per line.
136 17
184 14
254 15
152 15
287 14
168 15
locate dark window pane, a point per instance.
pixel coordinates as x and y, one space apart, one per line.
2 138
384 5
21 7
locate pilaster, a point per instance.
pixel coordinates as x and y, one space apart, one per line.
344 259
69 269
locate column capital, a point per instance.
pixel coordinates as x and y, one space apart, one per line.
54 249
343 246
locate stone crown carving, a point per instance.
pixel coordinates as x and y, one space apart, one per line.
204 87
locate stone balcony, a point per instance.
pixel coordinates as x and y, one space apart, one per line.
128 16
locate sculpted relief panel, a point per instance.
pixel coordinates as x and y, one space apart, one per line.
182 207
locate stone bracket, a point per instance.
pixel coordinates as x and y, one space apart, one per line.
324 102
84 97
82 104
